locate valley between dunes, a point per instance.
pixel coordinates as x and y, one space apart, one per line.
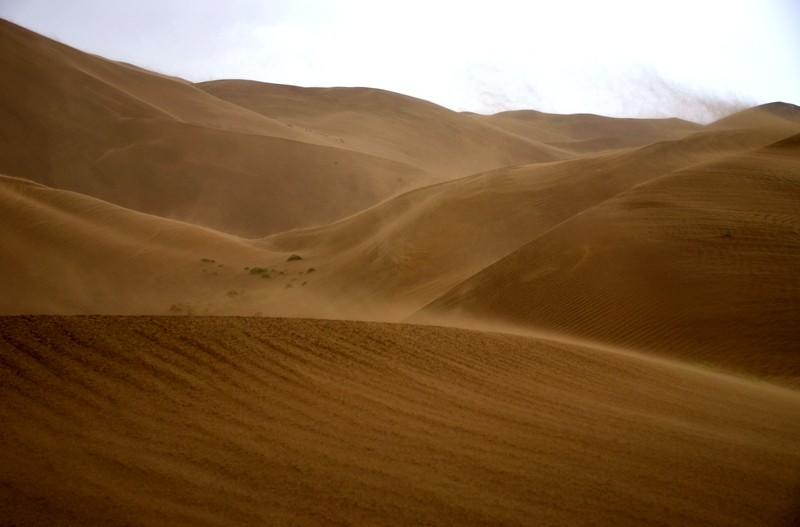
241 303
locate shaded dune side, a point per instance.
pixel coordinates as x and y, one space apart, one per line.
702 263
230 421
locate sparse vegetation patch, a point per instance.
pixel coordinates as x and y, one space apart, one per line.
263 271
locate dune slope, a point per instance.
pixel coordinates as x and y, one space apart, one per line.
701 263
230 421
68 253
408 250
439 141
163 146
771 115
584 133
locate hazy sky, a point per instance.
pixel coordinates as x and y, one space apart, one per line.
693 58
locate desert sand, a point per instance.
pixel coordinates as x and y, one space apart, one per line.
242 303
212 421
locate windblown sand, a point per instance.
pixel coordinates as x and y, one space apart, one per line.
231 421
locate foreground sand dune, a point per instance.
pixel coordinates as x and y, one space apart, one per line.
231 421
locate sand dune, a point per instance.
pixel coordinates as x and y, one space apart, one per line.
439 141
382 264
776 115
701 263
67 253
403 253
231 421
161 145
582 133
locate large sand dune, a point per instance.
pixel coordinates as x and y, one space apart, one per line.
160 145
701 263
439 141
412 248
232 421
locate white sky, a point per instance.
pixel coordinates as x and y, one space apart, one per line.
692 58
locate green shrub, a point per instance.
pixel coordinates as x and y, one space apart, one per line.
294 258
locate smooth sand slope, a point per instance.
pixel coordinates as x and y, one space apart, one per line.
68 253
160 145
584 133
234 421
439 141
700 263
771 115
383 264
64 252
408 250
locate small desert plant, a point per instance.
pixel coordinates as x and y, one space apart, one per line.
259 270
180 309
207 260
311 270
294 258
232 293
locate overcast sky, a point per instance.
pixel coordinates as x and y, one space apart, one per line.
692 58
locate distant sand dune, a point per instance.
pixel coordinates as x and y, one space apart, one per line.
583 133
161 145
439 141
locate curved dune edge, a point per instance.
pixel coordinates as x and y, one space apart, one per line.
231 421
699 264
